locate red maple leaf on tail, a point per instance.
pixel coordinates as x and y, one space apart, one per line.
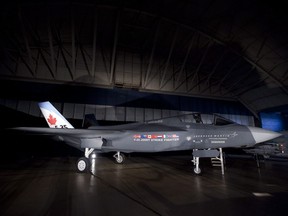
51 120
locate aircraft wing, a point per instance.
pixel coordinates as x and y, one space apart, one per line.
77 138
80 133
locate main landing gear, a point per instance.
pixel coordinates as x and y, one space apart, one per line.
84 163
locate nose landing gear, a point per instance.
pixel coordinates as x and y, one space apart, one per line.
119 157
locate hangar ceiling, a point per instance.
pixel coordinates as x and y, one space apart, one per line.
232 50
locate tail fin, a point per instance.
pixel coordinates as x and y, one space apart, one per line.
53 118
89 120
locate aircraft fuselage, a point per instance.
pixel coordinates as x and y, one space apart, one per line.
156 138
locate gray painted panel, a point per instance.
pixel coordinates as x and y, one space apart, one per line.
100 112
90 109
130 114
34 109
139 114
24 106
120 113
11 104
148 114
68 110
157 114
79 111
110 113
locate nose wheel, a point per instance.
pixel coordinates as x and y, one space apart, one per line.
197 171
119 158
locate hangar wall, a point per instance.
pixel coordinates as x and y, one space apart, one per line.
122 105
275 121
112 113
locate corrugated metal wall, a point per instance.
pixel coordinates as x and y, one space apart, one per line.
115 104
115 113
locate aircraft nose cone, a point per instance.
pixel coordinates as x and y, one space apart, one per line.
262 135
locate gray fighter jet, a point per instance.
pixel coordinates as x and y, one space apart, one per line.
171 134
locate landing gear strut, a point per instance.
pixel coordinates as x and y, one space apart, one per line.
195 162
197 169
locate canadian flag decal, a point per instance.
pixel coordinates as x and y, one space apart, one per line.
51 120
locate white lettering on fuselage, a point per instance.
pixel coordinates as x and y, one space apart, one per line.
156 140
213 138
218 141
155 137
217 136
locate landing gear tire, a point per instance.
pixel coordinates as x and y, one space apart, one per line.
197 171
83 164
119 158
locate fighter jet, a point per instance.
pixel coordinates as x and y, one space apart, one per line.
171 134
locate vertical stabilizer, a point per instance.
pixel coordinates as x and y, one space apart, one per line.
53 117
89 120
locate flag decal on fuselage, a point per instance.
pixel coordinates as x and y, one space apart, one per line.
155 137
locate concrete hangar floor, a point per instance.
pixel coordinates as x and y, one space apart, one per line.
44 181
